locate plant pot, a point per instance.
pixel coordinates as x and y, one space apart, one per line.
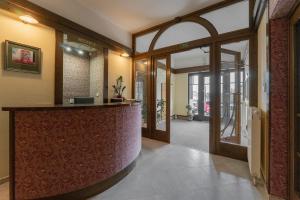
190 117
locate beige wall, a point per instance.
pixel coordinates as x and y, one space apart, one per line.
262 94
119 66
181 94
20 88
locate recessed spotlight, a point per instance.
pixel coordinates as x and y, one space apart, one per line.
68 49
28 19
80 52
126 55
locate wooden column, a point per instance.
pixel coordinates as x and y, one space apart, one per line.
105 78
59 71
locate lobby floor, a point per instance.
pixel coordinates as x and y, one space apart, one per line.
192 134
174 172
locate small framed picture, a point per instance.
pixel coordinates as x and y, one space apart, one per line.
22 58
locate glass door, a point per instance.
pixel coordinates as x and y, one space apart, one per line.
161 98
234 100
199 95
141 91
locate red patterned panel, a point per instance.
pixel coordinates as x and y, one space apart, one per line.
61 151
279 107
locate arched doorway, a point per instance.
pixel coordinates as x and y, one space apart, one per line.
231 51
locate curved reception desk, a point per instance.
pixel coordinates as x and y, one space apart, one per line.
71 152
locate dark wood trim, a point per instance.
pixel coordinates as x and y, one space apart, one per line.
294 49
60 23
96 188
196 13
253 93
226 37
69 106
201 21
294 9
214 122
258 12
105 78
4 180
163 136
233 151
59 69
12 155
204 68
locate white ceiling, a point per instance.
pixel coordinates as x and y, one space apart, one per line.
191 58
117 19
136 15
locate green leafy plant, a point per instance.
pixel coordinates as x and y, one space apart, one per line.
119 88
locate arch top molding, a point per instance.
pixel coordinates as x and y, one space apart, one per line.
196 19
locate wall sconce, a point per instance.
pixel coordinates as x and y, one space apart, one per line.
80 52
125 55
68 49
27 19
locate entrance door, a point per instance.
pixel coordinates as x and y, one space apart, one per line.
161 98
234 100
199 92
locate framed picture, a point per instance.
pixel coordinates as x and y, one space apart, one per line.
22 58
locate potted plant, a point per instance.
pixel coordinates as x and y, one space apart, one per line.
118 90
190 112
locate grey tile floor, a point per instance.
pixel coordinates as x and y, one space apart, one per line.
174 172
193 134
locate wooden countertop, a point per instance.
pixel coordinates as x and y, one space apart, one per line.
44 107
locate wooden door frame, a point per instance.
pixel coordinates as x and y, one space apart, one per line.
295 18
222 148
202 74
146 132
156 134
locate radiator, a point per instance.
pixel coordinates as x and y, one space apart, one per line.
254 143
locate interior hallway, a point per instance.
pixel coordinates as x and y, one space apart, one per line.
192 134
173 172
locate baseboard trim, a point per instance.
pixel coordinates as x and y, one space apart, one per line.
4 180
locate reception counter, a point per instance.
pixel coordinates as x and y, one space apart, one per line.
71 151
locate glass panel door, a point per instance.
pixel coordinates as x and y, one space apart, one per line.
199 95
233 99
141 88
161 97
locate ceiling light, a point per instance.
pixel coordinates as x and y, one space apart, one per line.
126 55
80 52
68 49
145 62
28 19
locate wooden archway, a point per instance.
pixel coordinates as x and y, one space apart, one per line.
198 20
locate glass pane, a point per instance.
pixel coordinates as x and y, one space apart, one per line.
206 100
234 61
161 94
141 87
230 18
178 34
143 42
